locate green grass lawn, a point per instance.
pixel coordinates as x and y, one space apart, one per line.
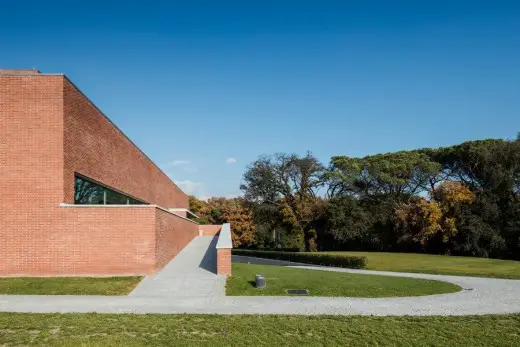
68 285
326 283
247 330
439 264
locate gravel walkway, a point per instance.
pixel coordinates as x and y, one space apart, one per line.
480 296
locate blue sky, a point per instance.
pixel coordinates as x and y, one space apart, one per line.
204 88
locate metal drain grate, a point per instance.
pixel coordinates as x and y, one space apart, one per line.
298 291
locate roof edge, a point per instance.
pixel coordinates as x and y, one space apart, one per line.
115 126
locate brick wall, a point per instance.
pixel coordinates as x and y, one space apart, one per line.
104 240
31 172
209 230
173 234
180 213
94 147
18 72
40 149
224 261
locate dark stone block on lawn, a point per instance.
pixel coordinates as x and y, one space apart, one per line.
298 291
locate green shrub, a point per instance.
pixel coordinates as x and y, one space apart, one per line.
351 262
283 249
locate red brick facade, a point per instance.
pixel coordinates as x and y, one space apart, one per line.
95 148
115 240
172 235
224 261
48 132
209 230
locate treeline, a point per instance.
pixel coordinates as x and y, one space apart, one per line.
459 200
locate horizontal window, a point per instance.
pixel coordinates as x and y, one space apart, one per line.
88 192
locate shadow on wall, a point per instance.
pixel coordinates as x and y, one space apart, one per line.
209 261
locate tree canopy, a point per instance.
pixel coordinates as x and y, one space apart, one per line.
462 199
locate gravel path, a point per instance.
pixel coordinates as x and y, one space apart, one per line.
480 296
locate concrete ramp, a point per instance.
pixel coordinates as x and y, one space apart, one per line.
192 273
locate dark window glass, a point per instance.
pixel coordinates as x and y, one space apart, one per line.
133 201
91 193
115 198
87 192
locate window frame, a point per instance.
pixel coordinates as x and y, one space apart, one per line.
105 189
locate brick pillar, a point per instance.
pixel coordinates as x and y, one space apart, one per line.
224 261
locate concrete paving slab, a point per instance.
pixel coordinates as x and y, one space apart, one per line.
192 273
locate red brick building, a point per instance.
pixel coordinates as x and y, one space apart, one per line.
77 197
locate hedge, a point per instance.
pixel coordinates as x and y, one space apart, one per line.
294 249
346 261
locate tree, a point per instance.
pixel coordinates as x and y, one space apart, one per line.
377 185
420 220
475 237
452 194
462 199
234 211
397 175
433 223
268 221
271 178
290 183
202 209
489 166
349 223
237 213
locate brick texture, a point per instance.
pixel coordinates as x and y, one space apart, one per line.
49 131
103 240
31 173
224 261
209 230
173 234
18 72
94 147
